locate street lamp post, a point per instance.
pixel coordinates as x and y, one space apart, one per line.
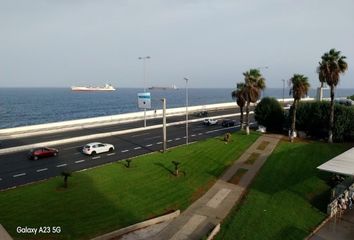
144 83
283 92
186 79
164 123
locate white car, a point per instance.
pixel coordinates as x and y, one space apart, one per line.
96 148
210 121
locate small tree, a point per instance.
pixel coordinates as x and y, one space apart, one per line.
176 167
128 162
66 175
227 137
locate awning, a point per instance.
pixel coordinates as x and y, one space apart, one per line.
342 164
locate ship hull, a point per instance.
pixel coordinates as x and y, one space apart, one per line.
92 89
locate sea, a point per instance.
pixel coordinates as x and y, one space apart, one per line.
29 106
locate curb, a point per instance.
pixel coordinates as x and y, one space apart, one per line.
318 228
214 232
137 226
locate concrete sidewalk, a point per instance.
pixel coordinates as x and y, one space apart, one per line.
209 210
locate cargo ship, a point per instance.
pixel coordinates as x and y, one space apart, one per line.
106 87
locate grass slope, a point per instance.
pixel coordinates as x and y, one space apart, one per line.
288 198
113 196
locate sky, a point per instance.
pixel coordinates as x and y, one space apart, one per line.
51 43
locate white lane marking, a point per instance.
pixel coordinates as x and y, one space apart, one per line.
184 137
41 170
19 175
159 143
71 147
137 148
149 145
125 151
111 154
170 140
177 139
193 135
62 165
152 137
200 134
138 135
79 161
96 157
0 179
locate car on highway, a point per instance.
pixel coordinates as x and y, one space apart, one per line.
42 152
96 148
210 121
201 114
228 123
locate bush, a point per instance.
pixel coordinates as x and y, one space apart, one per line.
313 118
270 114
351 97
227 137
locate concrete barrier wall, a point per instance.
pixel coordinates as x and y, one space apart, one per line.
137 226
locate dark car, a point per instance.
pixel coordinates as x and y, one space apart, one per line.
228 123
201 114
42 152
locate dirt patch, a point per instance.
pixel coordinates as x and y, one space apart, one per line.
200 191
252 158
238 175
263 145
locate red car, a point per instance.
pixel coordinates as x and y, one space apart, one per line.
42 152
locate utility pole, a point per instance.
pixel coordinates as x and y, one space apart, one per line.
144 65
283 92
187 141
164 123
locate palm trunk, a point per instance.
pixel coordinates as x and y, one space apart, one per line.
292 133
331 117
247 117
241 118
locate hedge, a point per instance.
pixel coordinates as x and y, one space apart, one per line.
313 119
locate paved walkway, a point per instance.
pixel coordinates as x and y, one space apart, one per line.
209 210
339 227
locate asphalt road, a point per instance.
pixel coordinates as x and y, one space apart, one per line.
16 169
20 141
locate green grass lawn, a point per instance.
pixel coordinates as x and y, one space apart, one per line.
113 196
289 196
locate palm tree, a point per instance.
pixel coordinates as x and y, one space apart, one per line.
254 84
331 66
239 96
299 89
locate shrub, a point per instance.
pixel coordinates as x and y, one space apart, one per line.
270 114
351 97
313 118
227 137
